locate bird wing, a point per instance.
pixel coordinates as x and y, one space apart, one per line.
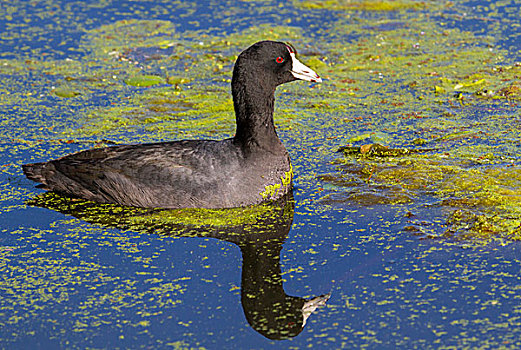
173 174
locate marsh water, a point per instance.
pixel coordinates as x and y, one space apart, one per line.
403 227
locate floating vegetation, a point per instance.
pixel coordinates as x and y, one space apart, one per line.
377 150
130 33
65 91
164 220
361 5
406 82
487 195
417 219
145 80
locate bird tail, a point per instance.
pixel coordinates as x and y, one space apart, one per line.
34 172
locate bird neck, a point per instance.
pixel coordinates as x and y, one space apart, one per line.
254 104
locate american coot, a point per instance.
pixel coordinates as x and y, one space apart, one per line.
251 167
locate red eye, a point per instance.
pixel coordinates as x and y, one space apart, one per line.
279 59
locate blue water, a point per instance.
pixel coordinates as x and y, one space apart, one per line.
67 282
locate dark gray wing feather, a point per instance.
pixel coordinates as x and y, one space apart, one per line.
171 174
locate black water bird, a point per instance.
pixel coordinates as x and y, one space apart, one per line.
249 168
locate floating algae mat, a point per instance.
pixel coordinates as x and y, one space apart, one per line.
406 162
406 79
414 84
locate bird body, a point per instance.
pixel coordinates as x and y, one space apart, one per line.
189 173
249 168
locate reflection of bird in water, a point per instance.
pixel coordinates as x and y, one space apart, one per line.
267 307
259 231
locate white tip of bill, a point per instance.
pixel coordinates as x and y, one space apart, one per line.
312 304
303 72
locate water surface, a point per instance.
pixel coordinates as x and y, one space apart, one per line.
417 248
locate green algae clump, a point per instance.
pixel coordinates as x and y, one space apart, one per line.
140 219
360 5
480 203
66 92
145 80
